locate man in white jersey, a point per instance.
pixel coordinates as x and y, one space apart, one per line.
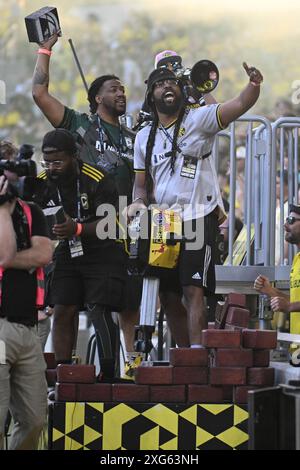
174 168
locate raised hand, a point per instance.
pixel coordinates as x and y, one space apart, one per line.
254 74
50 42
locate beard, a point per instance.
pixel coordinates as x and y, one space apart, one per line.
53 176
168 108
115 109
293 239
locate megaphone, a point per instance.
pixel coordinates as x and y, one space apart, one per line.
204 76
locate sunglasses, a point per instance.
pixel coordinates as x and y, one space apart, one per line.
167 81
291 220
57 164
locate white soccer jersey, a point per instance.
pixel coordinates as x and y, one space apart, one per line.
193 188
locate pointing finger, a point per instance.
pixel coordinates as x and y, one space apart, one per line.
246 67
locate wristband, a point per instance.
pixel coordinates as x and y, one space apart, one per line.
44 51
78 229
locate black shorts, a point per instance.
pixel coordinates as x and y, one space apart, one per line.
85 280
196 267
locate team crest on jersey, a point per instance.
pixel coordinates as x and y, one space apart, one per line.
84 201
181 132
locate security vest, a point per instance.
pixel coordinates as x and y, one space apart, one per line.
40 278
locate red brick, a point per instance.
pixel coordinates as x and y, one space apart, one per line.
221 339
228 376
260 376
238 317
232 358
50 360
233 327
240 394
130 393
190 375
188 357
235 299
208 394
93 392
261 357
167 394
154 375
76 373
51 377
232 300
259 339
65 392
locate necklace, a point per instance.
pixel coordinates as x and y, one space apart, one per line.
165 134
163 137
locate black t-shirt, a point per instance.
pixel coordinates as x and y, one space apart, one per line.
18 301
95 188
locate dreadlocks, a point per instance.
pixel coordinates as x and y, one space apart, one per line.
149 148
150 145
175 137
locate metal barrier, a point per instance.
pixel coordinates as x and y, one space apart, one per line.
258 144
262 150
286 146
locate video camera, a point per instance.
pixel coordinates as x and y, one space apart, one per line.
23 165
155 237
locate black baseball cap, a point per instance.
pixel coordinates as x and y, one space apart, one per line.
59 140
159 74
155 76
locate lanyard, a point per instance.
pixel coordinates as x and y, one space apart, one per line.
78 200
169 137
120 145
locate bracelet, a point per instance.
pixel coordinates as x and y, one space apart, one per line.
255 84
44 51
78 229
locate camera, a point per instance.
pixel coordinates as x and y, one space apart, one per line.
20 167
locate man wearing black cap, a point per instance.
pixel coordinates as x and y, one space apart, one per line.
103 142
174 168
89 269
281 302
